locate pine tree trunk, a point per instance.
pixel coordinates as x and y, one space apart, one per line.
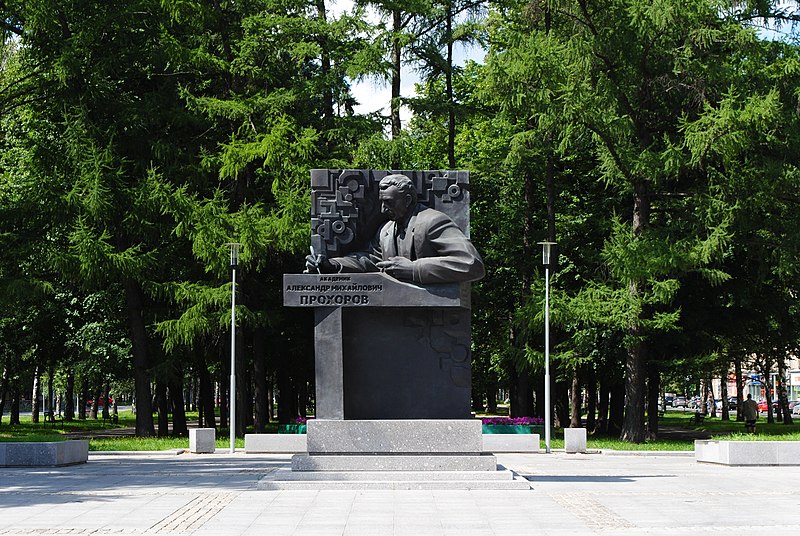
302 399
520 391
287 399
85 397
768 389
616 413
602 407
206 393
260 381
3 393
633 429
224 387
36 397
162 405
560 390
69 406
520 394
95 404
242 405
394 106
783 401
653 399
537 379
271 397
451 111
141 365
14 417
325 63
737 367
179 427
50 390
591 402
575 405
723 394
491 397
106 397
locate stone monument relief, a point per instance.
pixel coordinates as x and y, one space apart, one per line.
388 276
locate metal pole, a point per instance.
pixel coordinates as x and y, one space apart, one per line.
546 262
547 359
232 404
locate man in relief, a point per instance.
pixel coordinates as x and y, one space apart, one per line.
418 244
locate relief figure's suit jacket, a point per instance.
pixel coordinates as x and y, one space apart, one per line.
438 250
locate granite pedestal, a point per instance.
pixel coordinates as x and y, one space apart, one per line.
393 388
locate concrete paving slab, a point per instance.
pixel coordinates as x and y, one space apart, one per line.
573 494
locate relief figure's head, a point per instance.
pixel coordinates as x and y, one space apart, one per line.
397 195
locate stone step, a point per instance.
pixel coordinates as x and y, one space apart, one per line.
395 475
396 462
276 481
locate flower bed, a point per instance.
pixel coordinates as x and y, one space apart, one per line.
298 426
291 428
512 425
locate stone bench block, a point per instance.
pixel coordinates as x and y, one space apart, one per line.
44 453
511 442
394 462
747 452
574 440
202 440
275 443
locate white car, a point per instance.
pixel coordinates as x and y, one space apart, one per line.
679 402
796 409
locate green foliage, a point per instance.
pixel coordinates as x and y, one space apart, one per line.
655 141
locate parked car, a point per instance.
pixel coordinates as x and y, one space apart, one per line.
731 403
796 409
762 406
100 403
679 402
668 401
693 402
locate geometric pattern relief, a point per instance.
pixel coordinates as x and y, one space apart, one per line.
345 212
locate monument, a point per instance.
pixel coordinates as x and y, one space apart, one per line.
388 276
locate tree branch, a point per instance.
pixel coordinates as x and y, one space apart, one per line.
611 149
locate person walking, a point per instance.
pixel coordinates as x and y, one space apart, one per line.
750 414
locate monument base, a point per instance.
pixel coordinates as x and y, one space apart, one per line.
501 479
395 454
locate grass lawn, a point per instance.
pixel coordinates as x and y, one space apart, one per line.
716 428
41 431
106 436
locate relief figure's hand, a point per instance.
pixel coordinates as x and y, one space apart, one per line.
320 264
398 267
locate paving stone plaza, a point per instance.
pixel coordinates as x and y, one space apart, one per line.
572 494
